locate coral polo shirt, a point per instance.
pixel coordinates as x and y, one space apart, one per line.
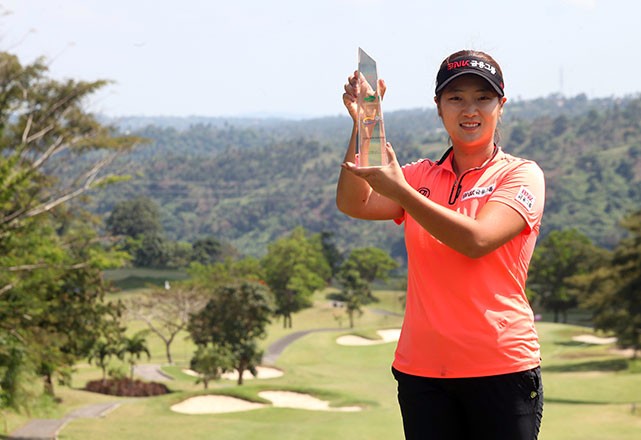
470 317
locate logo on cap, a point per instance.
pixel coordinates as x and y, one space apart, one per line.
467 64
472 63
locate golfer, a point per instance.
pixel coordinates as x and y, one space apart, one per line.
467 361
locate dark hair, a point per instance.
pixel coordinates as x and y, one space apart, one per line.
469 53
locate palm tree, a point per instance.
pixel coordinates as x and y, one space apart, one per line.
134 348
101 354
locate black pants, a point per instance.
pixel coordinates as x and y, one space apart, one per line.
504 407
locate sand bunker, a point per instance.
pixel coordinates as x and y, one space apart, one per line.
262 373
289 399
280 399
390 335
214 404
591 339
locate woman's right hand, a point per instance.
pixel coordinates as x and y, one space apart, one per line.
354 84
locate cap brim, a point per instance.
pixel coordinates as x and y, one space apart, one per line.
486 77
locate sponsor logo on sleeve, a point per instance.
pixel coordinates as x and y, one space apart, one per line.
525 198
475 193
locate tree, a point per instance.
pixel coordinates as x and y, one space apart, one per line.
228 271
332 255
371 263
354 293
179 254
101 353
211 361
132 350
614 289
207 251
136 223
150 250
235 317
166 311
52 153
294 268
12 380
562 255
58 310
134 218
361 268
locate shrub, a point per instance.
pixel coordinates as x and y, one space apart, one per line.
127 388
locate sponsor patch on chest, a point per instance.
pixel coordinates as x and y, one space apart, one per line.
525 198
480 191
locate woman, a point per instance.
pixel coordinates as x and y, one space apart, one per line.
467 361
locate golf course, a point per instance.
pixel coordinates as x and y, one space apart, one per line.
592 391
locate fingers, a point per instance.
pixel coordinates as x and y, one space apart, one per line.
382 88
355 84
391 154
348 99
352 85
350 166
355 81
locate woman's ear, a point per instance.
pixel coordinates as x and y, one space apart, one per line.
438 106
502 103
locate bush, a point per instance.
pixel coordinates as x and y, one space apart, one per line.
127 388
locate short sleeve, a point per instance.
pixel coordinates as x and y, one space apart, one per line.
523 189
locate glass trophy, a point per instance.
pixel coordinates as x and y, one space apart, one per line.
370 143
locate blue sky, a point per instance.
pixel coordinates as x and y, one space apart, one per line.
292 57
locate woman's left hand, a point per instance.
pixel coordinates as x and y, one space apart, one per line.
387 180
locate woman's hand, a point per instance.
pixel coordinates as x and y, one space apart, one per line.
356 83
386 180
354 195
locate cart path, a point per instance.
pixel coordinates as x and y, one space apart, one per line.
152 372
275 349
48 429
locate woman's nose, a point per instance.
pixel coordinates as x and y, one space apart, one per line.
470 109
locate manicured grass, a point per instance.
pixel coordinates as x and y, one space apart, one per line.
316 365
589 390
581 403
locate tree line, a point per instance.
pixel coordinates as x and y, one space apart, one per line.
248 183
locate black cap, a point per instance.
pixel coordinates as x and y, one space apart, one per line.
464 65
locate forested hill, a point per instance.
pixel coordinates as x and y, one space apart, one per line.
248 181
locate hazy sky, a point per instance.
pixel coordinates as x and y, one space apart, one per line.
292 57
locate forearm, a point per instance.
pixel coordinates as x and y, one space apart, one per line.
473 237
352 192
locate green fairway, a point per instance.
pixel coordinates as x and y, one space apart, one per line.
136 278
589 389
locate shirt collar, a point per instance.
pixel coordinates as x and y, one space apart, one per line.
446 160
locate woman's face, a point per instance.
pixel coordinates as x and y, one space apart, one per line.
470 110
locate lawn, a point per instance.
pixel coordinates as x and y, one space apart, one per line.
589 390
